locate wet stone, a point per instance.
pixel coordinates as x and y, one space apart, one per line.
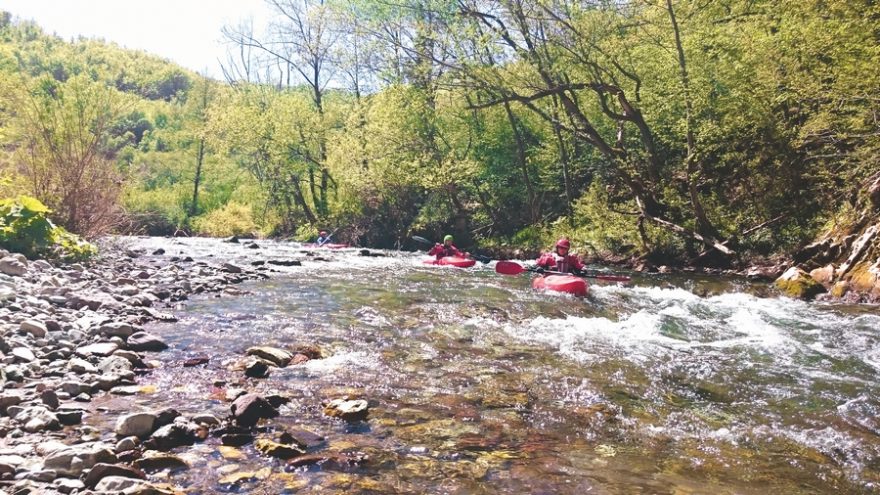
155 461
276 356
250 408
135 424
257 368
302 438
236 439
101 470
347 410
196 361
145 342
278 450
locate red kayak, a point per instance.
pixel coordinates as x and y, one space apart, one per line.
562 283
452 261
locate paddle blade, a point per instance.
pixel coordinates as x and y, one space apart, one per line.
422 240
509 268
481 258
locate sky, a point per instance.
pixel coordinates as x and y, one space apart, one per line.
184 31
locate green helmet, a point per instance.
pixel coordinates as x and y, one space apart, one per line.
447 237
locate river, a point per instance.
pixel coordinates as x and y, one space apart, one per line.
480 385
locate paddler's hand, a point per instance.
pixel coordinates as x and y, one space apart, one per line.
540 270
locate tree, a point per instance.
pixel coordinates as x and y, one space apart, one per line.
60 133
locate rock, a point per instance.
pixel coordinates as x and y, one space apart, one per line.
101 470
840 289
131 486
73 460
206 419
310 351
236 439
81 366
159 252
36 328
328 461
38 418
68 485
823 275
299 358
11 265
136 424
69 417
145 342
347 410
277 450
764 272
257 368
10 398
115 364
250 408
50 398
302 438
285 262
158 461
171 436
116 329
196 361
127 443
230 268
23 355
99 349
278 357
796 283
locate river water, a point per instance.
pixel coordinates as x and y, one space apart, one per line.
480 385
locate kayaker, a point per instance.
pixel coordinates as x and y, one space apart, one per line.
322 237
560 260
446 249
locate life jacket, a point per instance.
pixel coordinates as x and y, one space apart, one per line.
555 262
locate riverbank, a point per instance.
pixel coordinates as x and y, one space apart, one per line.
69 333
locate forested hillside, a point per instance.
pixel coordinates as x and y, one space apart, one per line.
679 132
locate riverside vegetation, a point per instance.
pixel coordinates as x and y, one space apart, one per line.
666 133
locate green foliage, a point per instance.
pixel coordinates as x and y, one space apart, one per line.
25 228
232 219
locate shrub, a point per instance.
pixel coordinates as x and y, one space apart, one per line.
25 228
233 219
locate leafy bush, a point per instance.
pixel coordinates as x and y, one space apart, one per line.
232 219
25 228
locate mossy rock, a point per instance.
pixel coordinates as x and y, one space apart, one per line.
839 289
798 284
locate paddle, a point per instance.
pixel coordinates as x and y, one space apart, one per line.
327 239
514 268
478 257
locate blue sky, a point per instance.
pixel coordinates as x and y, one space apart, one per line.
185 31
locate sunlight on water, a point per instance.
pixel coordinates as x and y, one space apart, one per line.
478 384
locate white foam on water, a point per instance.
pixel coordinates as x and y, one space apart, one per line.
354 359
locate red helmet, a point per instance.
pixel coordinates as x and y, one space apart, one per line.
322 233
563 243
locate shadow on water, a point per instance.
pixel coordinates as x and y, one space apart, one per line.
478 384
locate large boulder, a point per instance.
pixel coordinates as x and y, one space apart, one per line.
798 284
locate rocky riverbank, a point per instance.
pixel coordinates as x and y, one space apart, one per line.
72 333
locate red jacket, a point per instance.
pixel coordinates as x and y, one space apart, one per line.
552 261
442 250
